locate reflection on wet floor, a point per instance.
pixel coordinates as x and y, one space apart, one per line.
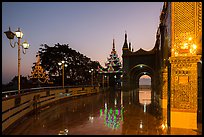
105 113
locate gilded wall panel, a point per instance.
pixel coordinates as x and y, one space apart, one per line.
186 25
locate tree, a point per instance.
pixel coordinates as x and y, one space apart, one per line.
13 84
77 72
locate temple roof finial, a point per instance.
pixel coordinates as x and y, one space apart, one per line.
113 44
130 46
125 45
125 35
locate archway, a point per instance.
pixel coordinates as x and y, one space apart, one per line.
135 74
145 81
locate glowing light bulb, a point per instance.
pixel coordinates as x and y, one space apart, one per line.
190 38
194 46
163 126
185 45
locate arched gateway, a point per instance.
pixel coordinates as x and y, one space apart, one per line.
174 64
141 62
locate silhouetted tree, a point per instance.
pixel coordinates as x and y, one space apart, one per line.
77 71
13 84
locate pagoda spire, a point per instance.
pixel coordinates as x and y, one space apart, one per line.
113 44
125 45
113 50
129 46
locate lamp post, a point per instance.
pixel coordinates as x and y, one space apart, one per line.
19 34
106 80
63 65
103 81
91 71
115 79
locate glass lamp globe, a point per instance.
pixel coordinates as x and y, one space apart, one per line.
19 34
25 45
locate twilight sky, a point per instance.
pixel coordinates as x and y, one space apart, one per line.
88 27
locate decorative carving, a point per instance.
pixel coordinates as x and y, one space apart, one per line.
184 82
199 17
39 73
186 26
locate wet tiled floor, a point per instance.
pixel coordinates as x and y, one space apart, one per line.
105 113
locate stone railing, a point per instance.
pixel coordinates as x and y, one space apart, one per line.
16 106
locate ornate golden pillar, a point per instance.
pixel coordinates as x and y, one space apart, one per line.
165 76
164 93
164 96
186 25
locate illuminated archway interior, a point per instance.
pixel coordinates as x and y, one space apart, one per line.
145 90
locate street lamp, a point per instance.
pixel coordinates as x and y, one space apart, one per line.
63 65
91 71
19 34
103 81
